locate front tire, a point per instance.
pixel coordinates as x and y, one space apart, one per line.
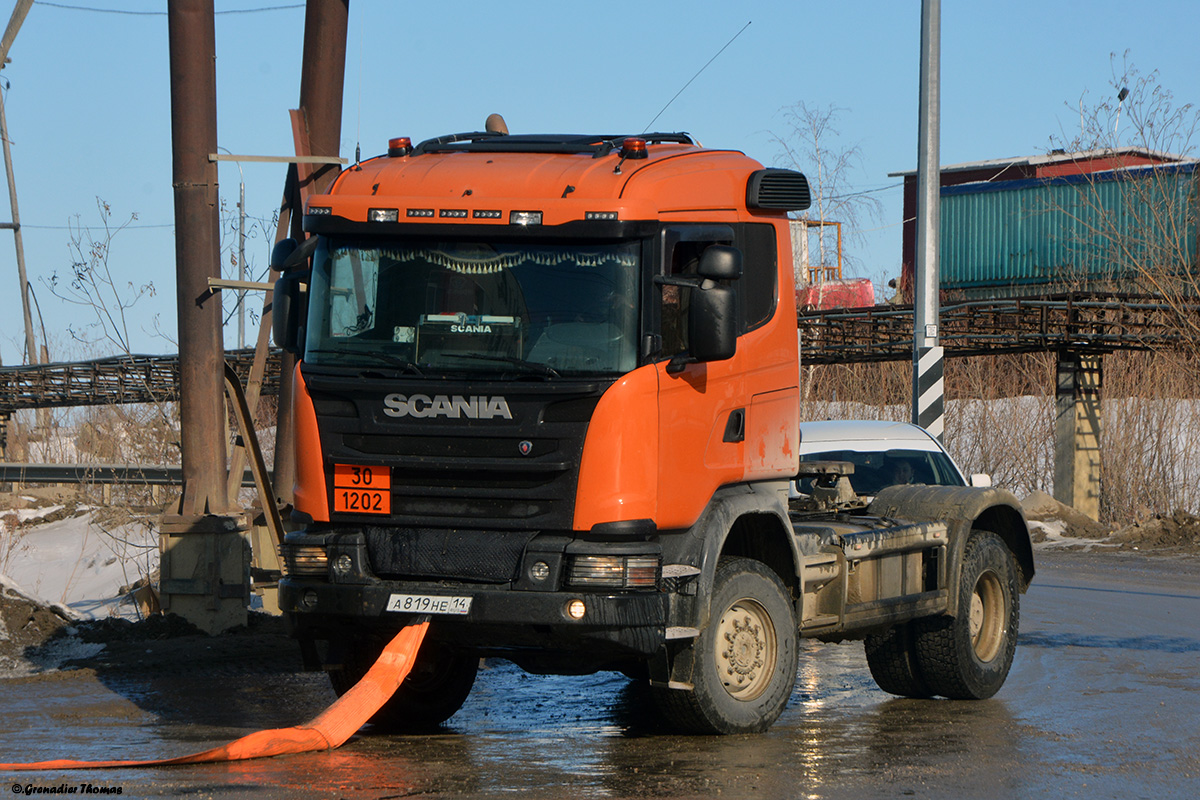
438 685
744 660
968 656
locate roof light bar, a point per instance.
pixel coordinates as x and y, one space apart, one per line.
419 212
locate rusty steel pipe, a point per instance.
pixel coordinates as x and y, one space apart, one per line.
322 78
192 38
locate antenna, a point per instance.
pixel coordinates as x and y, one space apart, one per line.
697 75
358 122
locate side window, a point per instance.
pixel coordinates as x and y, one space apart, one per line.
682 248
944 472
758 288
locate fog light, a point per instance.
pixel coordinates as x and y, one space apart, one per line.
343 564
576 609
540 571
309 600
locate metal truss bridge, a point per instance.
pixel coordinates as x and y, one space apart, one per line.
111 381
1080 323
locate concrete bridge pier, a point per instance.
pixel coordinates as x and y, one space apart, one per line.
1077 432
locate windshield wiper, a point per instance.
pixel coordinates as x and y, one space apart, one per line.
533 367
395 361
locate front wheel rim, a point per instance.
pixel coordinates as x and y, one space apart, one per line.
987 620
746 649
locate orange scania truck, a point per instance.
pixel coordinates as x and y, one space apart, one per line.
548 394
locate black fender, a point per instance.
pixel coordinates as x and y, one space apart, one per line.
761 507
962 508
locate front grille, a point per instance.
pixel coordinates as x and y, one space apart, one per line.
516 474
486 556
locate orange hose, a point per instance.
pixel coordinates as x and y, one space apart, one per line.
329 729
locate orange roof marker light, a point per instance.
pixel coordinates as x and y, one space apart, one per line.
634 147
399 146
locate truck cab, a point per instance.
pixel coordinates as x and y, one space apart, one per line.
548 393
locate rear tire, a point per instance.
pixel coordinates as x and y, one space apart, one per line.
438 685
892 657
744 660
967 657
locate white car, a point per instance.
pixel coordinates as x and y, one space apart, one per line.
883 454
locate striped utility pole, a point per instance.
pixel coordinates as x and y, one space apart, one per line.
928 405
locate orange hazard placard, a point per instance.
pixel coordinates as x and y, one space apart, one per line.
361 489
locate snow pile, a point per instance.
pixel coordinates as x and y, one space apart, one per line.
85 562
60 565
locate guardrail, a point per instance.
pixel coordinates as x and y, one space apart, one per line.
133 474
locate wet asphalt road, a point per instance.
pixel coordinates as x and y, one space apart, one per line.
1103 701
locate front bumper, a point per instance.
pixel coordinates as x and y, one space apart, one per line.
331 587
627 624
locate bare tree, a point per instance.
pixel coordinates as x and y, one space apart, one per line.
1135 226
93 286
811 144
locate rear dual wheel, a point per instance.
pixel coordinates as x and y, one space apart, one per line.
967 656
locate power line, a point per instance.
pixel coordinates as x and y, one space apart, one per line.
128 13
865 191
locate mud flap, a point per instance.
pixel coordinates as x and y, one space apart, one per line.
329 729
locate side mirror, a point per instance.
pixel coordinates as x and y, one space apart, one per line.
980 480
720 262
289 307
712 323
280 253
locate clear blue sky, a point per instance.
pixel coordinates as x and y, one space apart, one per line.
89 105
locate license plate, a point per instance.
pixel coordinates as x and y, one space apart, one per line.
428 604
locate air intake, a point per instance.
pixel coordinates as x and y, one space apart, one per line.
781 189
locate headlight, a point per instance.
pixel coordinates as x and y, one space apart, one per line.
304 559
614 572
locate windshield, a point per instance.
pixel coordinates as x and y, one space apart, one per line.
876 470
416 304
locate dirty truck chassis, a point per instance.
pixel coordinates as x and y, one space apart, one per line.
851 573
